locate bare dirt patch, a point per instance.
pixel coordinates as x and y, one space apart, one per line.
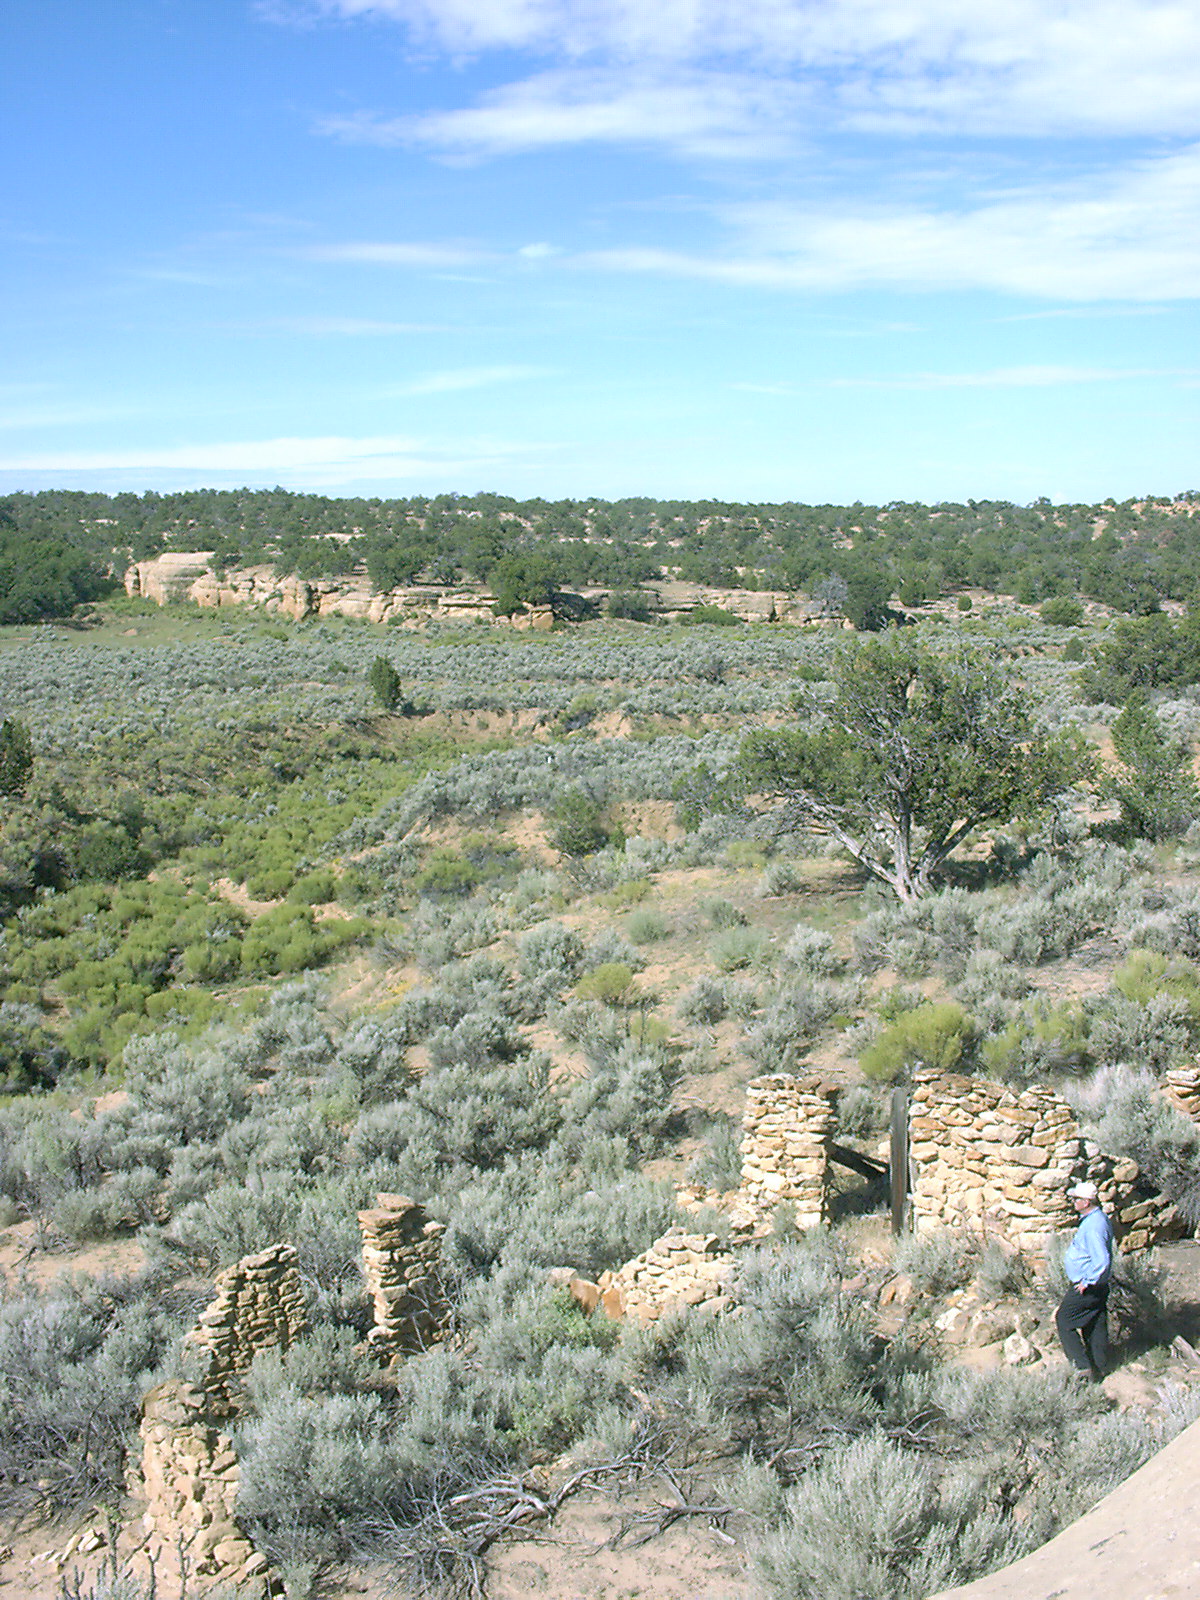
27 1256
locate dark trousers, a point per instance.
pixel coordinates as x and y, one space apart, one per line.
1082 1323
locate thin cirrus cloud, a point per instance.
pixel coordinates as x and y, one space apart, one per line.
1029 377
405 254
326 462
1124 235
1009 66
706 115
349 327
384 455
459 379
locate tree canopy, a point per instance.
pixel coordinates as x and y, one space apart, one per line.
916 752
1154 782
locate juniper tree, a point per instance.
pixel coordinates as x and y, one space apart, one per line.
1154 783
916 752
16 757
385 682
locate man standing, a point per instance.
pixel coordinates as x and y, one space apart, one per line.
1082 1319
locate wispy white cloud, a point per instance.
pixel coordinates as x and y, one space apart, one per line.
13 418
349 327
1129 235
453 382
327 459
1012 66
1073 313
712 114
1029 377
783 390
386 253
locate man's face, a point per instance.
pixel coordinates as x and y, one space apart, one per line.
1082 1204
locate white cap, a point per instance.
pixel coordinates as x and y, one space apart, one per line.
1084 1191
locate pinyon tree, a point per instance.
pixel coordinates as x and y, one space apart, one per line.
916 752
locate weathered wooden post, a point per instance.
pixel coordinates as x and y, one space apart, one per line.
899 1158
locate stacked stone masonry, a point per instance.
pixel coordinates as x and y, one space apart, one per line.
190 1481
992 1159
402 1264
786 1132
1182 1089
259 1303
189 1471
680 1272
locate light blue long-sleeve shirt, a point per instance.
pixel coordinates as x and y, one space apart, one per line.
1088 1257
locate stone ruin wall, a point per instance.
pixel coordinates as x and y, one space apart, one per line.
680 1272
258 1303
189 1472
1181 1086
402 1265
190 1478
786 1132
994 1159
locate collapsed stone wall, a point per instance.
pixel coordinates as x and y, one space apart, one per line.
680 1271
1182 1088
402 1265
189 1472
258 1303
190 1480
786 1132
994 1159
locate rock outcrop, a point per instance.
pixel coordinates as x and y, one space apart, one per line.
188 576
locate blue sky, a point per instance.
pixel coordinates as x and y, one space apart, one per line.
751 249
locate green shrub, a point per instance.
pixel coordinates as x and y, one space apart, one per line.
314 888
1042 1041
736 948
384 683
1062 611
609 982
630 893
937 1262
580 828
713 616
1146 974
724 914
937 1034
647 927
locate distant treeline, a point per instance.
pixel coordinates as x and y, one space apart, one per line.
1130 555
